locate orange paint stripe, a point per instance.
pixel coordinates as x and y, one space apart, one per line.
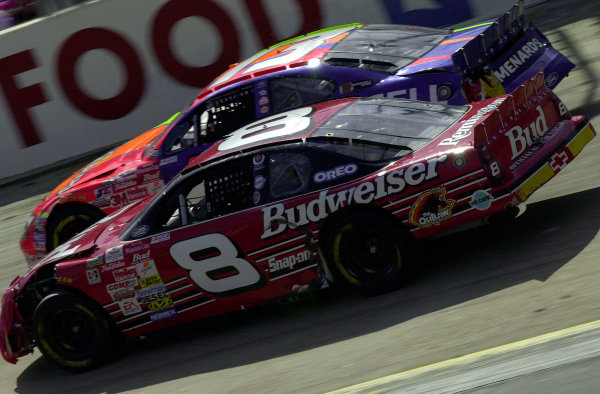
429 59
337 38
456 40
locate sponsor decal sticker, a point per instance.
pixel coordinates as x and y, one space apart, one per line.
94 261
39 236
114 254
160 304
136 193
151 280
137 247
264 100
466 128
128 283
513 63
140 231
559 160
149 178
299 289
551 79
287 263
146 269
258 159
431 208
99 193
124 273
169 160
151 290
160 238
520 138
129 306
112 266
481 200
162 315
337 172
259 182
93 276
124 185
121 294
137 257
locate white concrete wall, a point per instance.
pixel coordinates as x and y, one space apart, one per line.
103 72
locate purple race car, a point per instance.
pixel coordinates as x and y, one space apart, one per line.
457 66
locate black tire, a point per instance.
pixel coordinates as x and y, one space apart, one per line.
68 223
368 252
72 331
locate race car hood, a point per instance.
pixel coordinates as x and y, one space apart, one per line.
112 163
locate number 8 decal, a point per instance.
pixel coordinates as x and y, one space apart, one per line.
224 273
275 126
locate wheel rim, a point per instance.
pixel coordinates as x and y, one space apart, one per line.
72 330
69 227
363 252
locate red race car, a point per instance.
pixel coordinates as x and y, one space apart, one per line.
334 192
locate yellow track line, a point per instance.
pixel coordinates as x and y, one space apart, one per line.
469 358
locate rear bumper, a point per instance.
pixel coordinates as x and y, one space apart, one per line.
554 162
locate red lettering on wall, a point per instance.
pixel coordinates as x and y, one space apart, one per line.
21 99
100 38
175 10
310 13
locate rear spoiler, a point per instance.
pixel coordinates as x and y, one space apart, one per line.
528 94
503 30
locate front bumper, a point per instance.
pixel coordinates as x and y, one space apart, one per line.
13 337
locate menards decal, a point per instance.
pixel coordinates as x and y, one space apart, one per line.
510 66
276 217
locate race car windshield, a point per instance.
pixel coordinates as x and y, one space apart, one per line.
385 48
408 125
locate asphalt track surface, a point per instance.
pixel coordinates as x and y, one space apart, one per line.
478 290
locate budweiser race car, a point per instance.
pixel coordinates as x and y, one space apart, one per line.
445 66
333 192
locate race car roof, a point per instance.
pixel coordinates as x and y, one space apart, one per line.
392 122
385 48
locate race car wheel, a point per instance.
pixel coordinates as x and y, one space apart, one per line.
72 331
69 223
368 252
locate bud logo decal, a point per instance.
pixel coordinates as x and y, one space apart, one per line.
431 208
520 138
